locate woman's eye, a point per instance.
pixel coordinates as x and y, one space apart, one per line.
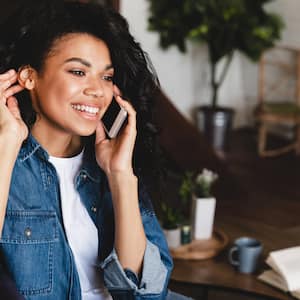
108 78
77 72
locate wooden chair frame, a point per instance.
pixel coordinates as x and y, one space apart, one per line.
265 119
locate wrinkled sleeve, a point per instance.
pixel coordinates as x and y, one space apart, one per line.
157 262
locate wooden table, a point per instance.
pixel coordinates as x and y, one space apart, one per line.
217 273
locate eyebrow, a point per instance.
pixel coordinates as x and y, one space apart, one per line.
85 62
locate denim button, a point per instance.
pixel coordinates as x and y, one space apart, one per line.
27 232
94 209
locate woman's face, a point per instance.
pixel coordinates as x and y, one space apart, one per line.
75 86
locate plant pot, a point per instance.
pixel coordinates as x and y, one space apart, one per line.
173 237
216 124
203 215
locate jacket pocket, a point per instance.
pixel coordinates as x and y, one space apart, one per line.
27 244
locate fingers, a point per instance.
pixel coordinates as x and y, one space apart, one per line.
116 91
13 90
131 126
130 130
130 110
7 79
12 105
7 89
100 133
7 75
5 85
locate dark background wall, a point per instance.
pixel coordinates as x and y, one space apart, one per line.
8 6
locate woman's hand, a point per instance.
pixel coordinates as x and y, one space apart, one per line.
115 156
11 124
13 131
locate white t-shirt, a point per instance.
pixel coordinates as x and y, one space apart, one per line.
80 230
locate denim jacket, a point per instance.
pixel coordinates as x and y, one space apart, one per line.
34 244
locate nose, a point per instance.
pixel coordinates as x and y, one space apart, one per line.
92 92
94 89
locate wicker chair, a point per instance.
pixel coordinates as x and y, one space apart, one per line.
285 83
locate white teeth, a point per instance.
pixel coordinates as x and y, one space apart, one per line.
89 109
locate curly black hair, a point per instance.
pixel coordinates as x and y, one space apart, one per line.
29 34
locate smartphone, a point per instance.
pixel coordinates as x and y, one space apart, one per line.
114 118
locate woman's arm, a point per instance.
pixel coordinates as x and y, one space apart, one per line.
8 153
157 262
13 131
130 239
115 158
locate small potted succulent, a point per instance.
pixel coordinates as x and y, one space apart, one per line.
198 188
171 219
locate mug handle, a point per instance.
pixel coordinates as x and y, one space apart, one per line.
230 256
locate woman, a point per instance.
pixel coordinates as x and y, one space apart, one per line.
75 220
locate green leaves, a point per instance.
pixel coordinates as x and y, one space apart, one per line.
220 23
186 187
224 25
168 19
170 217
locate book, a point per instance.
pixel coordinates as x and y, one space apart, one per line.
285 270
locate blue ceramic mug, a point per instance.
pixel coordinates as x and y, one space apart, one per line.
245 254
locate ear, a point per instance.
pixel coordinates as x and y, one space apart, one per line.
26 77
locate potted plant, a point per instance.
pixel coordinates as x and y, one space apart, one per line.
171 219
198 188
224 26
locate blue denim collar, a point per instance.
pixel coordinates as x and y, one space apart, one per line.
89 167
30 147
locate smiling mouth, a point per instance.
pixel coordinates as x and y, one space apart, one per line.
85 108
